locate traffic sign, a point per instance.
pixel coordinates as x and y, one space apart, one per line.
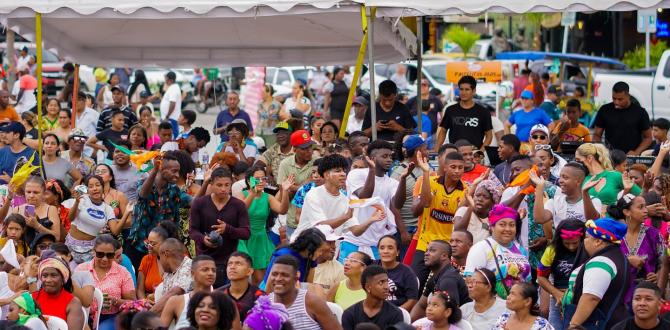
646 21
569 18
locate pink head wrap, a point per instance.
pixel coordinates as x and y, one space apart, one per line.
501 211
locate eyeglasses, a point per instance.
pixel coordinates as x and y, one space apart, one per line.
263 178
542 147
354 260
98 172
150 244
539 137
101 255
473 282
79 139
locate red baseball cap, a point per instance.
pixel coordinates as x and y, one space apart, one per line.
301 139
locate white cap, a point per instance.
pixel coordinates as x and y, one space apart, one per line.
541 128
329 232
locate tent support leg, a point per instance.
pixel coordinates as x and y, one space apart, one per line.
419 75
38 72
371 13
357 72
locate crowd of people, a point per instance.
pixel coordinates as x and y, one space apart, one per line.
470 222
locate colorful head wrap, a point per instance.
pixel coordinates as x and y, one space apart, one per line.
25 301
266 315
607 229
571 234
55 263
501 211
492 188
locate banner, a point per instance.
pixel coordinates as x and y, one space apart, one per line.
489 71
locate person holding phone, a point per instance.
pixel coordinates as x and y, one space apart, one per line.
392 116
260 204
299 100
40 217
89 214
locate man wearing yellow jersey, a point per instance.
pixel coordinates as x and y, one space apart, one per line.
437 203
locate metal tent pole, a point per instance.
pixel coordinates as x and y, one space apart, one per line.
370 13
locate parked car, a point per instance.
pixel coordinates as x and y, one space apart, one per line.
52 69
651 88
283 78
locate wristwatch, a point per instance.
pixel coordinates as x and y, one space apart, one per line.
31 279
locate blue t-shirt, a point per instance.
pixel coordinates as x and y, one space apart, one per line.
426 127
302 264
524 121
225 117
125 262
11 162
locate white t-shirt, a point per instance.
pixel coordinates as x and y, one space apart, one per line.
561 209
385 188
320 205
238 187
27 101
289 105
599 273
484 320
91 218
22 62
513 260
249 151
36 324
477 227
497 126
172 94
506 195
354 124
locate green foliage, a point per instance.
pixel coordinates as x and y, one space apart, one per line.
635 59
464 38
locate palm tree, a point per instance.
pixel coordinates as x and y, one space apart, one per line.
464 38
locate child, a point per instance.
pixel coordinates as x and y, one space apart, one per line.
558 260
442 312
568 128
110 135
185 120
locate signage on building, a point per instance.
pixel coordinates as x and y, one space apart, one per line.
488 71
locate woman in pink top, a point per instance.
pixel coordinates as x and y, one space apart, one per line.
111 278
148 121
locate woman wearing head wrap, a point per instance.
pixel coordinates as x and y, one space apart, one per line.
24 311
267 315
643 245
473 216
55 295
596 288
501 253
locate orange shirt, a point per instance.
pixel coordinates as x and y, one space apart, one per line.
477 171
9 113
152 275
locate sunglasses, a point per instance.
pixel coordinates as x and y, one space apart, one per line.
526 98
101 255
79 139
542 147
539 137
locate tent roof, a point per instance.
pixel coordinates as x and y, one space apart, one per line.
206 33
178 33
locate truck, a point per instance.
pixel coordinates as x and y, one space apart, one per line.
650 88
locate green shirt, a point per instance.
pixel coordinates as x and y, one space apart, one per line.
613 185
302 175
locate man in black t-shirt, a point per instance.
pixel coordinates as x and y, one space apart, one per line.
115 133
646 308
243 293
466 119
375 282
443 277
392 116
625 124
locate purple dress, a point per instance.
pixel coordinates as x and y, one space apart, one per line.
649 246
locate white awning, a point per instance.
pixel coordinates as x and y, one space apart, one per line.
205 33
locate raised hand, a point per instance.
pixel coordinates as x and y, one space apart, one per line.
591 183
371 163
627 182
410 167
422 162
208 173
537 179
665 147
481 178
290 180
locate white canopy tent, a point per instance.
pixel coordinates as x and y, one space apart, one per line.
176 34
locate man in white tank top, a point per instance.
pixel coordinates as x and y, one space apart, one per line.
203 271
306 310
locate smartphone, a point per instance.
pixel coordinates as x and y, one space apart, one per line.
384 122
30 210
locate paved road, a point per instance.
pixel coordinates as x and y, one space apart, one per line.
207 121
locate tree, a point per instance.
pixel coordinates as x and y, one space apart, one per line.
464 38
635 59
